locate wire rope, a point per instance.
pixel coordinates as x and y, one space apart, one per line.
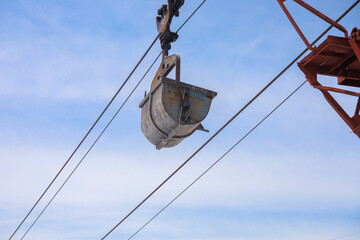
227 123
91 147
217 161
191 16
346 236
102 131
86 135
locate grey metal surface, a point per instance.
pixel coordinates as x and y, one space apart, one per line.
160 117
172 110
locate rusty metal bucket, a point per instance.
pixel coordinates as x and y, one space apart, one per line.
173 110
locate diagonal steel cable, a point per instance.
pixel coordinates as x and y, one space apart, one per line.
86 135
228 122
103 130
346 236
216 162
91 147
186 21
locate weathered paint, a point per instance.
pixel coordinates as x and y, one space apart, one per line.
337 57
160 117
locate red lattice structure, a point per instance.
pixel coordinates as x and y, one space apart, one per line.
337 57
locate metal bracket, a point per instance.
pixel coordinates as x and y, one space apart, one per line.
167 65
163 21
352 122
355 34
184 106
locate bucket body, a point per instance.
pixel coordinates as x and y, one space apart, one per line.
161 120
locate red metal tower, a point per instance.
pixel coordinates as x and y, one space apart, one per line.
337 57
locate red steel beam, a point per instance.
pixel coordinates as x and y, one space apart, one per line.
315 12
320 87
322 16
294 24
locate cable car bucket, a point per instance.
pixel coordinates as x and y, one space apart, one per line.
172 110
337 57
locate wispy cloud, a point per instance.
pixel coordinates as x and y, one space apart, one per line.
293 178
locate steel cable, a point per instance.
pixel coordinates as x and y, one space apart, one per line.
91 146
346 236
228 122
191 16
86 135
102 131
217 161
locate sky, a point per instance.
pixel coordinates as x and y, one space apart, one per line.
295 177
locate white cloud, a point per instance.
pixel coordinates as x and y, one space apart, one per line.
294 178
304 180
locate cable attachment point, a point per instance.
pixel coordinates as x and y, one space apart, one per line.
355 34
163 21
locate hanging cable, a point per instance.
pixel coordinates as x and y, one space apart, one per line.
346 236
106 125
227 123
86 135
91 146
191 16
217 161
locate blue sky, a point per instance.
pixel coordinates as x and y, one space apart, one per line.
295 177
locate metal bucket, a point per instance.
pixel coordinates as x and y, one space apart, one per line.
163 119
